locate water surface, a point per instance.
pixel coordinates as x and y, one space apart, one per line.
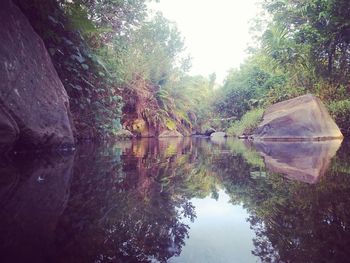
178 200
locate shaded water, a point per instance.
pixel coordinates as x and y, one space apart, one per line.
190 200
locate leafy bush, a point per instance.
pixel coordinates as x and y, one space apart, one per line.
247 123
327 91
280 93
242 90
340 111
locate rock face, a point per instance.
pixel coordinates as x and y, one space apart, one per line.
301 118
304 161
165 134
34 107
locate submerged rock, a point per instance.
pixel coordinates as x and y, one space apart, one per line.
301 118
170 134
34 107
218 134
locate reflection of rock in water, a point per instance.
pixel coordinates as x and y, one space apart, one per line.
218 139
33 198
302 161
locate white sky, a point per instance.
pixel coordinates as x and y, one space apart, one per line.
216 32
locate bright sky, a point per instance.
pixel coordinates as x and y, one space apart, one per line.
216 32
220 233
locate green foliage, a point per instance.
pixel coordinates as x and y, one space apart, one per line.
239 88
109 54
170 124
281 93
161 92
113 19
90 43
112 57
79 19
340 111
152 51
318 30
247 88
303 49
247 124
191 95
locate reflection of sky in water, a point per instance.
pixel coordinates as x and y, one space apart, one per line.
220 233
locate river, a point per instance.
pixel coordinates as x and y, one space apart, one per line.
179 201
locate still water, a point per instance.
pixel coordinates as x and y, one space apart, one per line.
178 200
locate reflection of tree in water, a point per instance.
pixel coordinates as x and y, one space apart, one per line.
295 221
312 223
127 203
128 208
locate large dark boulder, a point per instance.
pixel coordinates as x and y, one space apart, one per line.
301 118
34 107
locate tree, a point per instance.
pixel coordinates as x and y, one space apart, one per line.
321 25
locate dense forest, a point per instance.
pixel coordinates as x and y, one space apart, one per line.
126 68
